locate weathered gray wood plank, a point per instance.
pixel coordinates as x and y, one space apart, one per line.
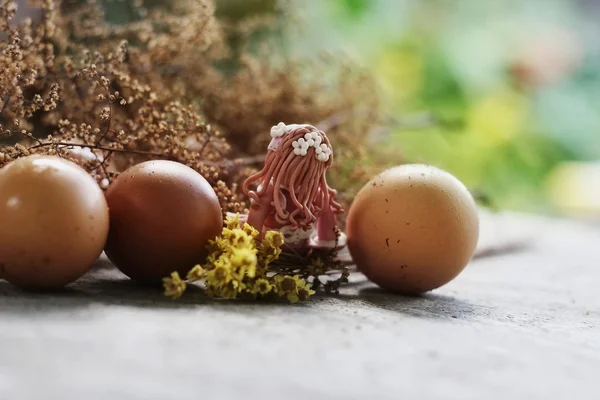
524 325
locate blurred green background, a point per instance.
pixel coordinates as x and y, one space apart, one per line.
504 94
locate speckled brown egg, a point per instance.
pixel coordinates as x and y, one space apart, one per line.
162 215
413 228
53 222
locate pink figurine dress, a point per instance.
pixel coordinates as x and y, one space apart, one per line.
292 194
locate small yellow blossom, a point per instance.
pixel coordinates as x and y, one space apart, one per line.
174 286
237 238
209 290
275 238
197 273
270 249
293 297
261 286
244 261
288 283
250 230
317 267
220 244
288 286
215 249
230 290
220 275
232 222
305 293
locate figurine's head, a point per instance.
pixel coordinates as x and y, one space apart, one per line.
305 139
297 159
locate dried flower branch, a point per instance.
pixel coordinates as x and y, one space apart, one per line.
107 96
59 96
240 265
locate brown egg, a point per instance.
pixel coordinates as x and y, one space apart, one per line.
162 215
53 222
413 228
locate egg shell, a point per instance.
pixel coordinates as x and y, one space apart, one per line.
53 222
162 215
413 228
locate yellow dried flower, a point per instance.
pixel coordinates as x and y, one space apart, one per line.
197 273
238 238
212 258
317 267
261 287
235 266
274 238
289 286
174 286
218 245
244 260
270 249
228 291
305 293
250 230
232 222
210 290
220 275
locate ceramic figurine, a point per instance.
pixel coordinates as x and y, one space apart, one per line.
292 194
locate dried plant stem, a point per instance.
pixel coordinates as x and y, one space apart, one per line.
98 147
108 129
5 103
247 160
235 161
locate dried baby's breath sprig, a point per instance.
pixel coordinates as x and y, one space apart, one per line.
71 81
107 96
241 265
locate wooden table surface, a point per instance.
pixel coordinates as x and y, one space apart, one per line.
517 325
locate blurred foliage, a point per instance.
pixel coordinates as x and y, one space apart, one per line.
509 88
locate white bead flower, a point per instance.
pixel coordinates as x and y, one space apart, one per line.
315 140
300 147
309 139
325 153
278 130
318 139
321 149
323 157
